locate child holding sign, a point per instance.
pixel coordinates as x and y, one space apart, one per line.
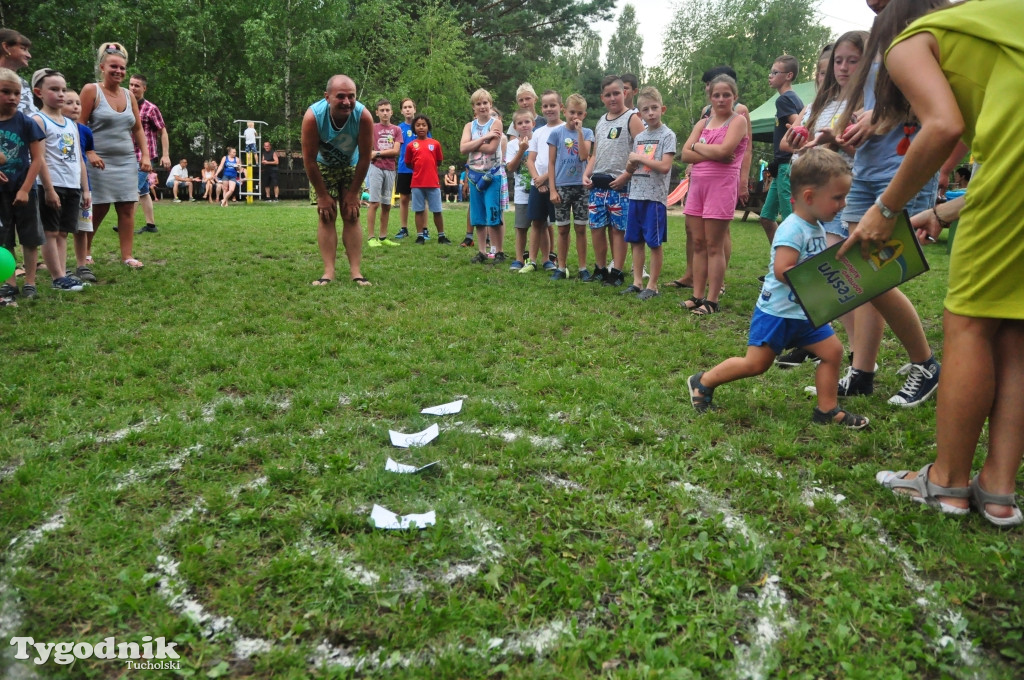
820 180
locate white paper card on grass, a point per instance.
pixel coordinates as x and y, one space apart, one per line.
403 469
444 409
404 441
385 519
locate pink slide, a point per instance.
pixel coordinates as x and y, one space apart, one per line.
679 192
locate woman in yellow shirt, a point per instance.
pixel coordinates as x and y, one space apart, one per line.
959 69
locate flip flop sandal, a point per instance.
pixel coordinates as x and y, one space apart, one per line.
928 493
702 403
678 284
132 263
322 282
850 420
361 281
692 303
980 498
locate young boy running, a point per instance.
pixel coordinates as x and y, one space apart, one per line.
23 148
515 152
64 177
608 181
820 181
651 165
380 178
568 151
424 156
541 209
481 140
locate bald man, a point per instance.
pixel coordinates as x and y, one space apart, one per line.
336 136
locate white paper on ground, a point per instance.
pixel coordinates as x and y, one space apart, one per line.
444 409
385 519
403 469
417 439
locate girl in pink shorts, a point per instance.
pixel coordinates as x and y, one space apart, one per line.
715 149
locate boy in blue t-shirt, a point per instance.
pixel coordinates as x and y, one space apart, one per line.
787 112
820 181
19 210
568 151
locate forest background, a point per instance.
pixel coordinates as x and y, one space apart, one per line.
210 63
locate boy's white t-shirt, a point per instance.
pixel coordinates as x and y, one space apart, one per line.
538 144
250 135
522 175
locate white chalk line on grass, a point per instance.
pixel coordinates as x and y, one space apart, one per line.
949 621
508 436
180 598
756 660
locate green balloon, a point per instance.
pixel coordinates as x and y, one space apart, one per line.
6 264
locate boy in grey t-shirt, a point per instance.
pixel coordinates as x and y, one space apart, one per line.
568 151
651 165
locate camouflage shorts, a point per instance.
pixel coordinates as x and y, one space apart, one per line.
336 179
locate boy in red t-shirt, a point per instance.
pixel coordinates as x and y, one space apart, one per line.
424 155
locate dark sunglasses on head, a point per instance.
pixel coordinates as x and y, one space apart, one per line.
113 48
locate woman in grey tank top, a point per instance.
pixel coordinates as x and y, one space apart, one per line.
113 115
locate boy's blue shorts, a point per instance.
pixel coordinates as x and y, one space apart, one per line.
779 333
540 206
423 198
485 206
647 222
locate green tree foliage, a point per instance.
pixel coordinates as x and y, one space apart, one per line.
626 46
507 39
746 34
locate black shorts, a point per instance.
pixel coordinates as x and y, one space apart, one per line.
403 183
65 219
23 219
271 178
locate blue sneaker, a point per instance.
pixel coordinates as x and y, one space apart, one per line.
402 233
426 235
559 275
549 265
584 275
922 381
516 265
66 283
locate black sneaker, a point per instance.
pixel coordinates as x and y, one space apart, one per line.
466 242
856 383
402 233
419 239
9 291
922 381
499 257
479 258
599 275
795 358
148 229
442 239
614 278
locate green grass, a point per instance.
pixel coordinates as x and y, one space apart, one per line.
215 429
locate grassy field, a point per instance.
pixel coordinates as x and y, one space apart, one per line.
192 451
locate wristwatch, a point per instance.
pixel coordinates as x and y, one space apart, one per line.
886 213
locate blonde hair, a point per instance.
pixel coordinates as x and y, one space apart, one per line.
576 99
815 168
110 49
522 113
479 96
651 93
9 76
527 88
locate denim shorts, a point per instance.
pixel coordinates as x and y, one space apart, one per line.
423 198
864 193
